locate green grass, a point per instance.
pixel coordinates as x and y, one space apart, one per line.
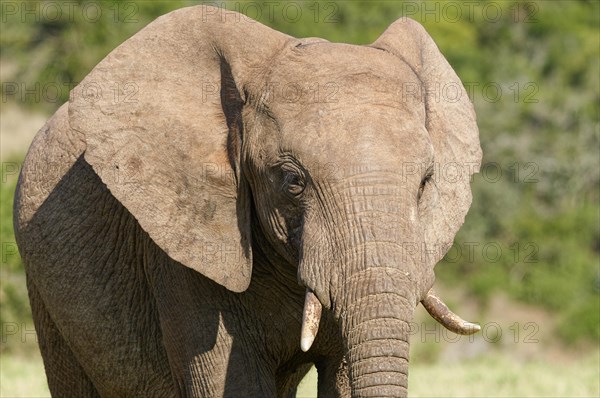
501 376
22 376
494 375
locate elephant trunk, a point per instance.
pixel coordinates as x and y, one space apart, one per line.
375 282
376 323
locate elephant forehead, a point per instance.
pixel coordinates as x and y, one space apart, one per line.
359 107
363 137
333 74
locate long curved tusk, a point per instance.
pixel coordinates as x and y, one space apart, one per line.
311 316
440 312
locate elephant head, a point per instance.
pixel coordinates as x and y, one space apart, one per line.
348 163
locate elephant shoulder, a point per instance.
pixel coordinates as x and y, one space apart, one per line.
52 154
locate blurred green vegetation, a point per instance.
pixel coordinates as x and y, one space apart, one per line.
532 70
14 305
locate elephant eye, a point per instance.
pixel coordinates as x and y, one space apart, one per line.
424 182
293 184
294 176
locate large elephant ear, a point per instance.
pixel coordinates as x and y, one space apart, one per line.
450 121
162 120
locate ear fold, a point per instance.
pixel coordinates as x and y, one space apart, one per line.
161 116
453 129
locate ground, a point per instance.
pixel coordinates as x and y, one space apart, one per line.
497 375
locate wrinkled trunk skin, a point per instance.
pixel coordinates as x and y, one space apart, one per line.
375 280
376 302
375 322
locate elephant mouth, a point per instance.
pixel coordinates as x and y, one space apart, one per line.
434 305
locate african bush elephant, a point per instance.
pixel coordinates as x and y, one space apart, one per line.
215 192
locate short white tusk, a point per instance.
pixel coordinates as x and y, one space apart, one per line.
311 316
440 312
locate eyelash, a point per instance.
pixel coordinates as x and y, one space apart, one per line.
294 183
294 179
424 183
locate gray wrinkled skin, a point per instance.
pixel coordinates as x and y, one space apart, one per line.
170 230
